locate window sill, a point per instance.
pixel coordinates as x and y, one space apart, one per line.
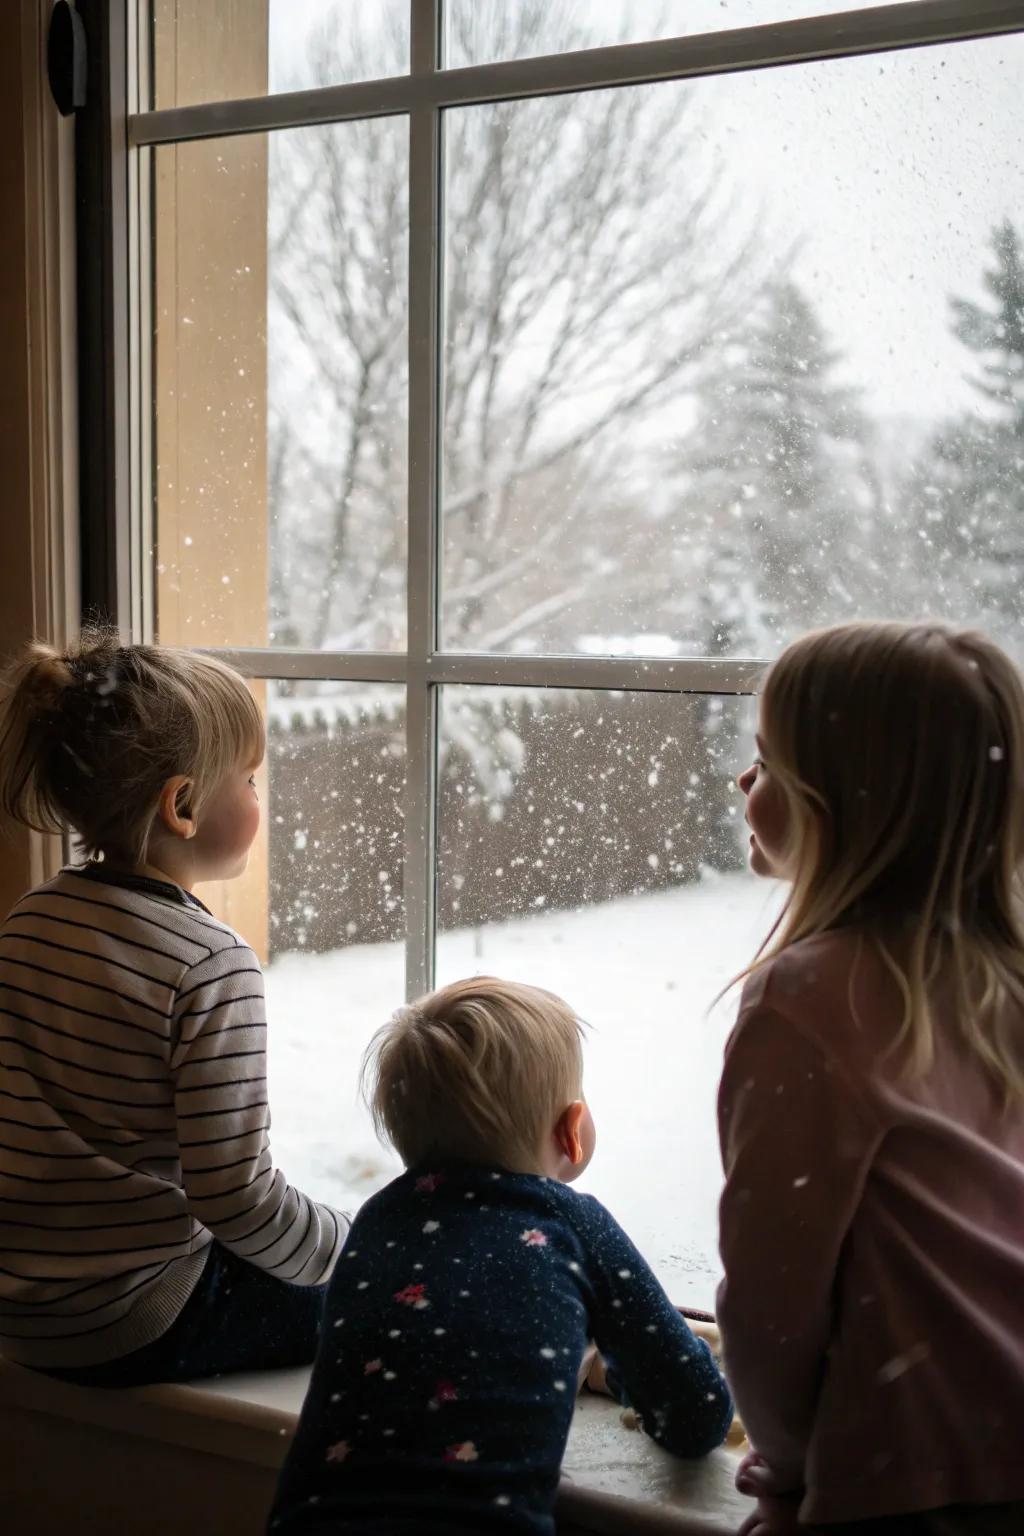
614 1479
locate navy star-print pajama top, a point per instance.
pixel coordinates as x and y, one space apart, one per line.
455 1325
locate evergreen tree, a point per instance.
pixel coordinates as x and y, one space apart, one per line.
999 331
966 495
779 482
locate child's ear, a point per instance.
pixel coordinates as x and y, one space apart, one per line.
175 808
567 1131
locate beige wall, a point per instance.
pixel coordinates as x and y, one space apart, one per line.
37 488
210 366
209 377
17 617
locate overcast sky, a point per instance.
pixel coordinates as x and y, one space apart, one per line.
886 172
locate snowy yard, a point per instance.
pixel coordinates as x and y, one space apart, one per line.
641 970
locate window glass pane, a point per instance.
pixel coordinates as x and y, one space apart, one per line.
216 50
279 384
321 903
483 31
737 356
592 843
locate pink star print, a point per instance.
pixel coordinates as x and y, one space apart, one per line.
533 1238
413 1296
465 1450
339 1451
371 1366
445 1392
429 1182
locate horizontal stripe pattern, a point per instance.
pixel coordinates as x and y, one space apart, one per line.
134 1123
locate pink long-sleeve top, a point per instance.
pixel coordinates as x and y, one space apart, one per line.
872 1236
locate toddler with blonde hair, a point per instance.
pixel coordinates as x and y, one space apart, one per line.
464 1299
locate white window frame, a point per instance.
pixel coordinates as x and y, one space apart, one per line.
422 96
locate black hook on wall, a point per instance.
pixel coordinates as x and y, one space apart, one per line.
66 58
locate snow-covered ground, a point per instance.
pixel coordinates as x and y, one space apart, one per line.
642 971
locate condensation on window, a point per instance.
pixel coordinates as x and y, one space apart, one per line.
736 356
220 50
324 889
594 843
279 388
485 31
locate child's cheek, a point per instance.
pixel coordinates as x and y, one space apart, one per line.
251 822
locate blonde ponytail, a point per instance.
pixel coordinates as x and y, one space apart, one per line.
89 736
31 707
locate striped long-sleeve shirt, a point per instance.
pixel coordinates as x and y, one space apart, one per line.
133 1119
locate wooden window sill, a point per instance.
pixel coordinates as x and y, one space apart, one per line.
614 1480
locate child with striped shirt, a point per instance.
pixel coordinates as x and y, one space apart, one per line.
146 1234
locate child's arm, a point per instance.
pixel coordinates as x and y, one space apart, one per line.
653 1360
797 1143
223 1119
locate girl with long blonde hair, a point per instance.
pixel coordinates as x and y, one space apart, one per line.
871 1110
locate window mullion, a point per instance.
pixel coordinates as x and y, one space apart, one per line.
102 237
422 594
876 29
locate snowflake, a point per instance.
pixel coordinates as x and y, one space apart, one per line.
533 1237
431 1226
338 1451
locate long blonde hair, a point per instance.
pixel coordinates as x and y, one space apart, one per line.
89 736
899 751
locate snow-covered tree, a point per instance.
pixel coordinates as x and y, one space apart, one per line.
996 332
778 486
966 492
585 270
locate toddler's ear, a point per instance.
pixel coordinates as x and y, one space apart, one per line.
567 1131
174 807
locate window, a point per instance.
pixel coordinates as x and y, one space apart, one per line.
507 382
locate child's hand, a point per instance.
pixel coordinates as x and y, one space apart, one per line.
755 1477
775 1515
736 1439
589 1356
592 1374
708 1332
777 1508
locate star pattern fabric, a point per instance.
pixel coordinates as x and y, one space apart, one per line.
456 1322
